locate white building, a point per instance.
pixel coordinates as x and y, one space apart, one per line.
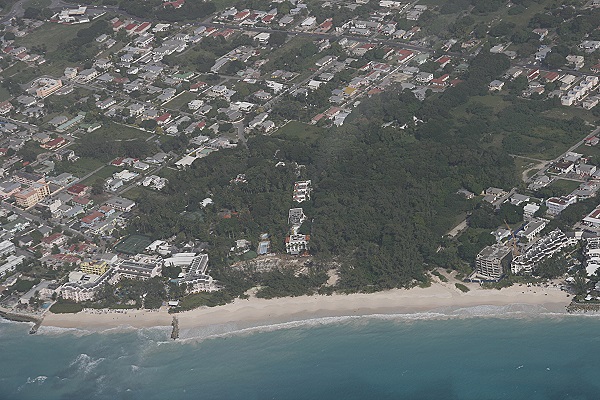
493 261
296 244
11 264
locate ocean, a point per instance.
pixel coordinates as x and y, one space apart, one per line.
479 353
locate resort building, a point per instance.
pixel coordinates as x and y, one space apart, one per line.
94 267
493 261
547 246
194 268
138 270
83 287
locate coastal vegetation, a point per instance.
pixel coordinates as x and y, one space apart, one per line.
66 307
461 287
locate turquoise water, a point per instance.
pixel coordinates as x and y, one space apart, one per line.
549 357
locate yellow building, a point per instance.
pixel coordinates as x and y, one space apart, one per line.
47 86
94 267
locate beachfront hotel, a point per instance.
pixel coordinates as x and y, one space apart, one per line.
493 261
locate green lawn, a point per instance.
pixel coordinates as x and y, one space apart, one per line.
38 4
300 131
564 185
593 151
51 35
103 174
83 166
180 101
4 95
112 131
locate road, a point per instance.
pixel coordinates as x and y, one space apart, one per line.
17 10
557 159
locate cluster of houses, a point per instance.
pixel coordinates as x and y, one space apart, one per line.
571 89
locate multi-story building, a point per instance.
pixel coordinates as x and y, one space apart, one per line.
493 261
26 178
557 204
138 270
296 244
547 246
31 196
94 267
6 247
83 287
47 86
302 190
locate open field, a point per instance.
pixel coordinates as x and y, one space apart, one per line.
564 185
106 172
295 130
591 151
50 35
83 166
117 132
180 101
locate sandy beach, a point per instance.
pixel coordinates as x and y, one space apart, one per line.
259 312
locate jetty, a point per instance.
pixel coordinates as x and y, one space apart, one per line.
18 317
576 307
175 331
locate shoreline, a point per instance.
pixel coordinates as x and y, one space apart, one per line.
440 298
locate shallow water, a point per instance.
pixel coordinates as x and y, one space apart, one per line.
512 352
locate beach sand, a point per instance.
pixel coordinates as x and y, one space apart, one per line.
256 312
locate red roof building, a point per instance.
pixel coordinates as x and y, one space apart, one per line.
143 27
92 218
78 190
404 55
163 119
54 143
551 76
118 25
175 4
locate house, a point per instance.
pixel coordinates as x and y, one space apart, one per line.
585 169
557 204
496 85
79 190
532 229
163 119
533 74
443 61
424 77
121 204
5 107
296 244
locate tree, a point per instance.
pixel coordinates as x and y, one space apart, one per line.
554 60
277 39
98 187
148 124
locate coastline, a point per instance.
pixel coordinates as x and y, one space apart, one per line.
255 312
